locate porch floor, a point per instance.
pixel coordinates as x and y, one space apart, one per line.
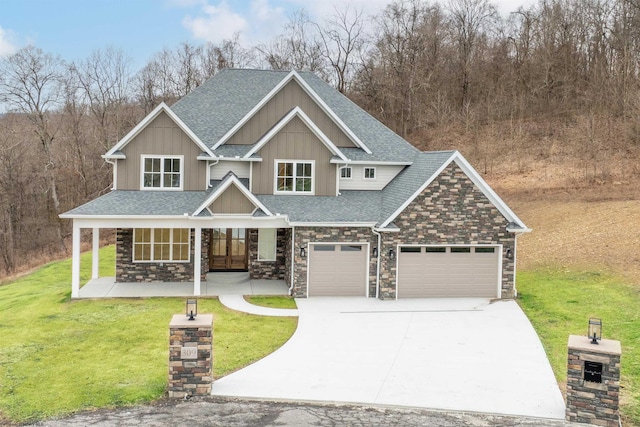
214 285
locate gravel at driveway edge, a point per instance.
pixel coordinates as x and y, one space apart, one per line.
221 411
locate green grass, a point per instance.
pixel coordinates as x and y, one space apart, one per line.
59 356
273 302
560 302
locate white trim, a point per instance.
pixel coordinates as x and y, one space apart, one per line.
294 177
75 261
364 173
474 177
370 162
232 179
197 260
293 75
350 172
366 246
332 224
95 257
239 159
162 157
296 112
148 119
251 178
152 244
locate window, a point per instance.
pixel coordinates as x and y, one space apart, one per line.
435 249
267 244
163 173
410 249
345 172
457 250
369 173
294 177
485 250
161 244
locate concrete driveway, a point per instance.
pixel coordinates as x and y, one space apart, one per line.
454 354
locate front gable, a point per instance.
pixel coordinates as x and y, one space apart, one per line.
289 96
161 136
295 141
232 201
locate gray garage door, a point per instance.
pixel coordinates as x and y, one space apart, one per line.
448 271
337 270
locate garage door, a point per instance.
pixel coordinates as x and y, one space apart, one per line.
446 271
337 270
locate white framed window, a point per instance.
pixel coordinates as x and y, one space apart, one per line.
369 173
161 172
294 177
161 244
345 172
267 242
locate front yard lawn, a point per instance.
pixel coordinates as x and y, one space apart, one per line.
560 302
59 356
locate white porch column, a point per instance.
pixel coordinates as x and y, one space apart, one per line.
95 259
197 262
75 261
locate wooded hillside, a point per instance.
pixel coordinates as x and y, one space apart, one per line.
546 97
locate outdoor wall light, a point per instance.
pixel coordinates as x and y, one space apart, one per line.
192 309
303 252
595 330
375 252
509 254
392 254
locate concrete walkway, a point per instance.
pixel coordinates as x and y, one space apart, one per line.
238 303
462 354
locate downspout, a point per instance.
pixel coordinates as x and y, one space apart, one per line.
377 261
515 262
113 163
293 254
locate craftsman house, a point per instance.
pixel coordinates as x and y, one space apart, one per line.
278 174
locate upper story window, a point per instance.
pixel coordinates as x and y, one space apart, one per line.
369 173
294 176
162 172
345 172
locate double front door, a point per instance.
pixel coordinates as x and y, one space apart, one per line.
228 249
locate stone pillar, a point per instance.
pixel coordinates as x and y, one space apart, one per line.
593 381
190 356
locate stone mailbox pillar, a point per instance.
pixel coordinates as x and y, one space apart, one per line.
593 381
190 356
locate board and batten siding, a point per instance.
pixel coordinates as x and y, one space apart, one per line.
232 201
384 175
294 142
290 96
222 168
162 137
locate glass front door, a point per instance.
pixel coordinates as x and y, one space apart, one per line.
228 249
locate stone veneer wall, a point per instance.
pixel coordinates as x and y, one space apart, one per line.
266 269
304 235
451 210
129 271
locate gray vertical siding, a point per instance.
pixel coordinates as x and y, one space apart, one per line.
232 201
295 142
289 97
162 137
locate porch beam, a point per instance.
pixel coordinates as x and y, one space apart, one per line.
95 259
197 262
75 261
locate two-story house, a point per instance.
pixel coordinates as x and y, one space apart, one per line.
278 174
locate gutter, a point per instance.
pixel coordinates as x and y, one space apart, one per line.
293 255
373 230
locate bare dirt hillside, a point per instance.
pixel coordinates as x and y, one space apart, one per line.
594 226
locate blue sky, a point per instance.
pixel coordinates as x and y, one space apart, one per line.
75 28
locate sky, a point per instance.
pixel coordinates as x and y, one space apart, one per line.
75 28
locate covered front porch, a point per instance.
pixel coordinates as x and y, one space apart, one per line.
216 284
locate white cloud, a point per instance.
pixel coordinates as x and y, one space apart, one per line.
219 22
6 45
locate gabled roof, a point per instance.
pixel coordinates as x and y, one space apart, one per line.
231 179
296 112
220 106
116 151
410 183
